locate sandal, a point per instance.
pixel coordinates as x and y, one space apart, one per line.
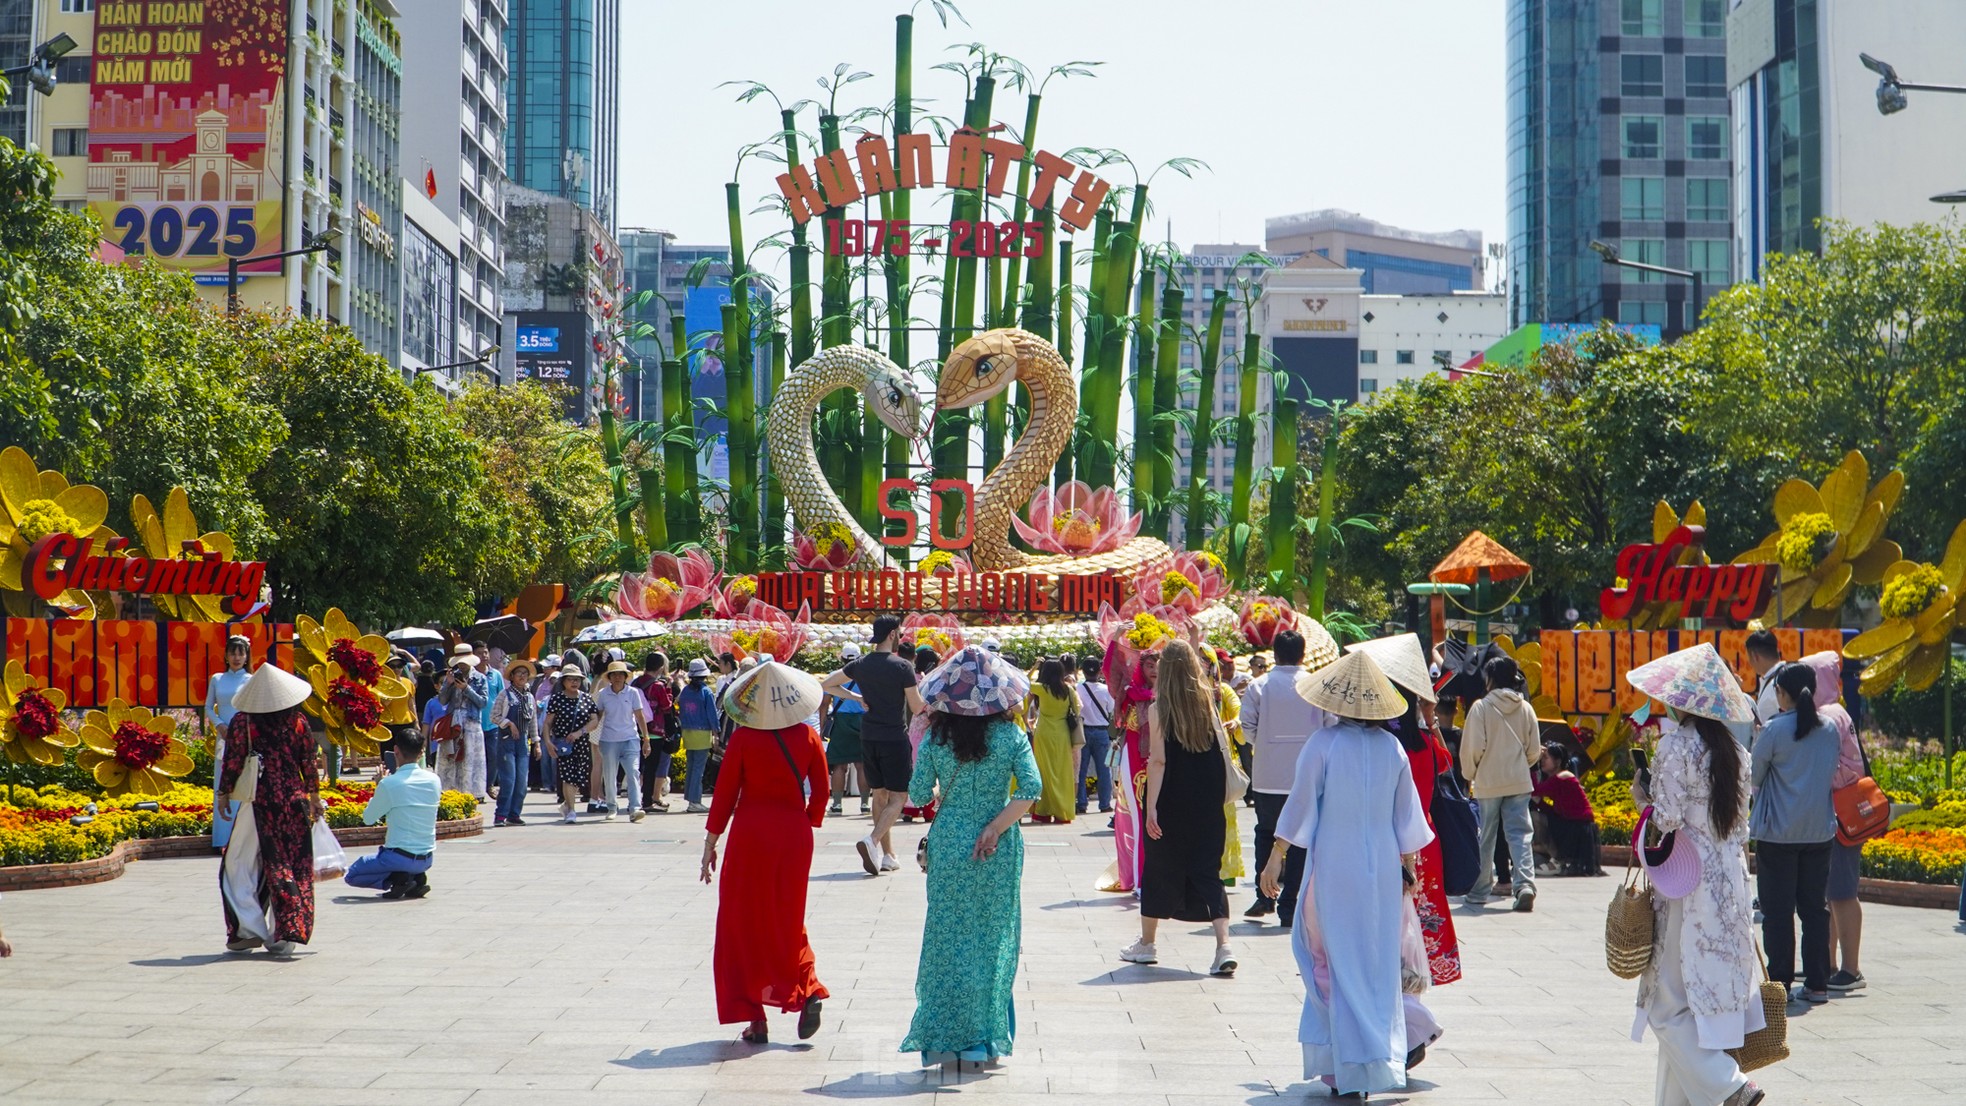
755 1035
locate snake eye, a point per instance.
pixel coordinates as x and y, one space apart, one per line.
982 367
894 397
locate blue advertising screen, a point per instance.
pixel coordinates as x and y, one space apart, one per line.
539 339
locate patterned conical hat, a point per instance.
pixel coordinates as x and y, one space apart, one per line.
1352 687
1696 681
772 696
1402 660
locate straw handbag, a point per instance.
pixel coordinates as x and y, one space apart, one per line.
1768 1045
1628 926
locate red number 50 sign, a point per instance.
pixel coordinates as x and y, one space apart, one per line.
905 515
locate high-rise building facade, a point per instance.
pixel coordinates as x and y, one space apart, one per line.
457 162
563 120
562 267
1809 141
1617 132
1395 261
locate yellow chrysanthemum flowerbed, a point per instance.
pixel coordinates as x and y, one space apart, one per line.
35 826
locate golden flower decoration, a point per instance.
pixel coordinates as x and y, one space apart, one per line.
29 748
163 536
132 750
1920 607
34 504
311 663
1819 567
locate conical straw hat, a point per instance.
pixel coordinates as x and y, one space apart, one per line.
271 690
1402 660
1695 681
772 696
1352 687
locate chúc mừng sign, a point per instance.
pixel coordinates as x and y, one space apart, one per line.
1656 575
63 561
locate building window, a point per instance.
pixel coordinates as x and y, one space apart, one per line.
1367 385
1706 200
1706 18
1643 75
1368 357
1403 357
1706 75
1709 257
1706 137
1641 312
1644 135
1443 357
1644 198
73 70
71 142
78 7
1650 251
1640 17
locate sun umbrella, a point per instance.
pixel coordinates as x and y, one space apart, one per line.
507 631
410 637
621 629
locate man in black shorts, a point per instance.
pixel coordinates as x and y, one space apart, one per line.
886 687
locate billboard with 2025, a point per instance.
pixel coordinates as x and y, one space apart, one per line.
187 130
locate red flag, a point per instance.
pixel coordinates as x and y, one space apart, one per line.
430 183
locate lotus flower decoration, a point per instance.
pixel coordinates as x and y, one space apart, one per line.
735 596
33 505
1077 521
1264 617
30 719
942 562
829 547
1189 581
1831 538
1921 608
130 749
940 632
764 629
1137 629
672 587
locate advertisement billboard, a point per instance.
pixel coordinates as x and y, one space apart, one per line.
187 131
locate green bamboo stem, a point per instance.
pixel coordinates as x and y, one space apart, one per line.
740 444
1200 444
774 531
1282 536
1167 397
1109 378
1144 371
655 524
951 447
679 402
1036 315
847 466
1019 211
897 206
801 257
1327 500
1250 375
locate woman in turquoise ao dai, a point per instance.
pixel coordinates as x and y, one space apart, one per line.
981 763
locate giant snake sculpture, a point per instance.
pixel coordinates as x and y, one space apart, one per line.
976 370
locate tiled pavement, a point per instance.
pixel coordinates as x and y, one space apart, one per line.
570 964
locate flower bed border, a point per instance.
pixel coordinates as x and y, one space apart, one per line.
1887 892
32 877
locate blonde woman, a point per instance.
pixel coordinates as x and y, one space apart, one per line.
1187 771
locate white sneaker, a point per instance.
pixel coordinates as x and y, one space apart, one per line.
698 808
1139 952
281 948
610 816
568 818
869 849
1225 962
636 815
889 864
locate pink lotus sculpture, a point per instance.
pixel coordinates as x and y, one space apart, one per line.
1076 520
763 628
940 632
1189 581
740 593
1264 617
829 548
672 587
1137 629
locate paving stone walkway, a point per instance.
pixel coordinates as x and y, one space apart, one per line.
571 964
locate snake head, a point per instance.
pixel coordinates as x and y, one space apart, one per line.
976 370
890 394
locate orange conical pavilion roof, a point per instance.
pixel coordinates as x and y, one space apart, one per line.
1477 551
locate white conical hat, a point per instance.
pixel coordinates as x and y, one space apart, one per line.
270 691
1352 687
1402 660
772 696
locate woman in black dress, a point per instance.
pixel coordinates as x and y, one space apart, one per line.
1187 775
570 715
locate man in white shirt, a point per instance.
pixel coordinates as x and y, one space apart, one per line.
624 718
1096 715
1765 655
1276 721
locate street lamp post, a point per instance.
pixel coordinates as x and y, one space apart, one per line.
315 244
1611 257
479 362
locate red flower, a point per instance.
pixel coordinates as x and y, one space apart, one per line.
356 703
34 716
139 747
355 660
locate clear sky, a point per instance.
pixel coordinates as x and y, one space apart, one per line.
1391 108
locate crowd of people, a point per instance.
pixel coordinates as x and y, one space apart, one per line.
1362 834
